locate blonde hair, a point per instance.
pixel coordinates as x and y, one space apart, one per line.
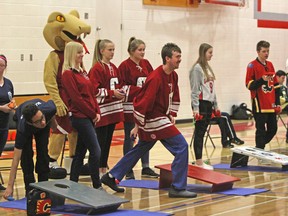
202 61
99 45
133 44
70 52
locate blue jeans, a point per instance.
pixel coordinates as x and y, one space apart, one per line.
129 143
176 145
87 139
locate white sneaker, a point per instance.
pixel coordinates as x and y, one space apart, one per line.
264 162
205 166
54 165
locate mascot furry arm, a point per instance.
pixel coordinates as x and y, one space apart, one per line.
59 30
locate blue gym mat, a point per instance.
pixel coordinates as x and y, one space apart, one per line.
250 168
151 184
74 209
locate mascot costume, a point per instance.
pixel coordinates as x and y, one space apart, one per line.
59 30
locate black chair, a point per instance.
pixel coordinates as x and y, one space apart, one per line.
207 134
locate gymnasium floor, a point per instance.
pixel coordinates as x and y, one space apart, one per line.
273 202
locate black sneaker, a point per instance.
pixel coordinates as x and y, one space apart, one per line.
2 188
228 144
130 175
237 141
110 182
174 193
148 172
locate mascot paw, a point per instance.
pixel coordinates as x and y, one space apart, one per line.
61 110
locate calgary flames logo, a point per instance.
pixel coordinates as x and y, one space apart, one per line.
43 206
267 88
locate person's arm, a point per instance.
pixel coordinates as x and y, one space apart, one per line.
69 81
50 82
96 76
251 82
53 123
134 132
5 108
175 100
15 162
145 100
195 78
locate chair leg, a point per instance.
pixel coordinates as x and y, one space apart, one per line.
208 136
63 151
192 139
1 178
281 119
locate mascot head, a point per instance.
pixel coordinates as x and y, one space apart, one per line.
63 28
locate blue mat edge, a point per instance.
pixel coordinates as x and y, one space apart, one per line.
201 186
11 205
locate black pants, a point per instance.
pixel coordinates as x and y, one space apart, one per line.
266 128
226 127
42 158
87 139
105 135
3 139
205 109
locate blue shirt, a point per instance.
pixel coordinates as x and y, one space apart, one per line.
26 131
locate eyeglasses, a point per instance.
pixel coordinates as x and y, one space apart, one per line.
37 122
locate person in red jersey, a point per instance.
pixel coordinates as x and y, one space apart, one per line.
105 78
155 107
264 91
134 72
84 112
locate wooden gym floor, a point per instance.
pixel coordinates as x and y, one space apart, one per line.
274 202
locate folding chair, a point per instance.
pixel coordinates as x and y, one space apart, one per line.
207 134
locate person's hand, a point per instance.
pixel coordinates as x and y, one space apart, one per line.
172 119
217 113
96 119
5 108
8 192
119 94
266 77
61 109
278 110
197 116
134 132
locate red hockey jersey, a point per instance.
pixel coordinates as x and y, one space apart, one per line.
262 92
106 78
157 99
133 77
80 94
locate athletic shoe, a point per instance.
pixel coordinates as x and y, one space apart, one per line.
205 166
130 175
110 182
54 165
237 141
227 144
148 172
174 193
2 188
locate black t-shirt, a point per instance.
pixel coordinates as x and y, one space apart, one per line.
6 94
26 131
